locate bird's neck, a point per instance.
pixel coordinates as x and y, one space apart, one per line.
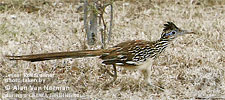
161 44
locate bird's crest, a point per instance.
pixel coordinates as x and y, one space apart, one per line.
169 26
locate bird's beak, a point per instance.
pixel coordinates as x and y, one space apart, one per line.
187 32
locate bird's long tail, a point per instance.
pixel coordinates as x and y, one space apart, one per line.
57 55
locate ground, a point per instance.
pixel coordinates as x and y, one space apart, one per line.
192 67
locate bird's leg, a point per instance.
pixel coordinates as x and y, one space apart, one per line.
147 72
114 75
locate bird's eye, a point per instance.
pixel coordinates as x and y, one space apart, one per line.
170 33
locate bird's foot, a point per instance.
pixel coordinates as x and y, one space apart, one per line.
114 75
156 87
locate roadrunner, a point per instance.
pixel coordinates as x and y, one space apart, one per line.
135 54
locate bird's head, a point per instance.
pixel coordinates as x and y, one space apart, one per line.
171 31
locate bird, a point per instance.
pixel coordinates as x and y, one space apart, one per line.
132 54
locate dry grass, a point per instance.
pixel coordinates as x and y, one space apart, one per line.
192 67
